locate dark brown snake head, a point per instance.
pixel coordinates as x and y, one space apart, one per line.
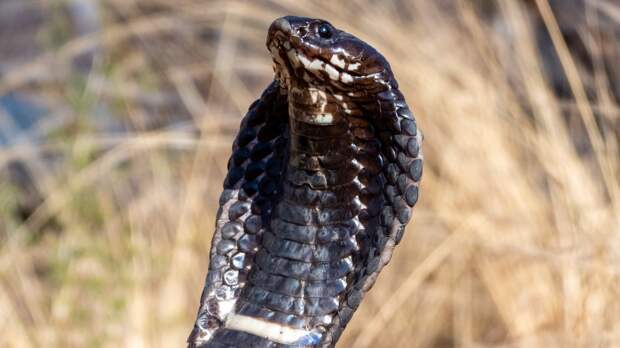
321 181
312 51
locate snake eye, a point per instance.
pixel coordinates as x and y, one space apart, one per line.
325 31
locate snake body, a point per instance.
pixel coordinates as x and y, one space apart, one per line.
323 175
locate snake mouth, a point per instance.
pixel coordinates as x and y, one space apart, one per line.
290 61
292 57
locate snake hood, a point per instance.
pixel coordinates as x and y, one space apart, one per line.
317 53
321 181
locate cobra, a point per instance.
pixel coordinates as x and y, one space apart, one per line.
323 175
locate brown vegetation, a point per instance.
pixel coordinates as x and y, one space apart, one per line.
515 241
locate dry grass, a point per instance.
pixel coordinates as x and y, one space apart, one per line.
515 242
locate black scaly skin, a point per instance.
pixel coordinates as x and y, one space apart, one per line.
253 182
321 202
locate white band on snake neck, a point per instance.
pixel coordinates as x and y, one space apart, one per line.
271 331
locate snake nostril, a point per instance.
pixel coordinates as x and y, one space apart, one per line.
302 31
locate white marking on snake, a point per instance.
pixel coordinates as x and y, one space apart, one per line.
346 78
345 108
262 328
353 66
337 61
332 72
317 96
303 59
326 118
316 64
225 307
314 95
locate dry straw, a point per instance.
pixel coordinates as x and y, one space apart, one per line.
514 243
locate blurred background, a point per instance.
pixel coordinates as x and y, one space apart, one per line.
117 119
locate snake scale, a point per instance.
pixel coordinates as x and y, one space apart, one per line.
324 172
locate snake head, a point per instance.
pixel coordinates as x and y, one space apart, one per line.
314 52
